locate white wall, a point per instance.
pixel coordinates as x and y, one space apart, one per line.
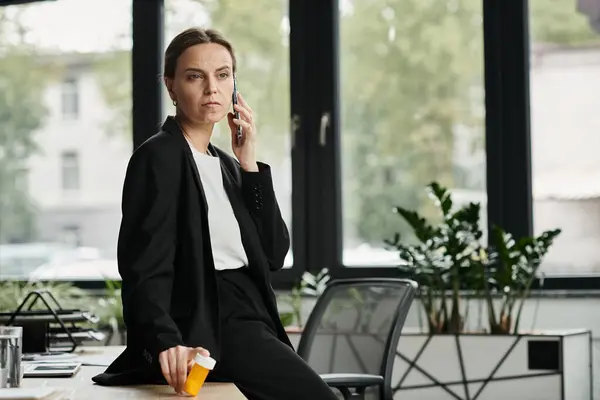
576 250
564 115
565 165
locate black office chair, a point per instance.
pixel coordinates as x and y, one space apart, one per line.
352 334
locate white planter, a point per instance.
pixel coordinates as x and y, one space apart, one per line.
547 365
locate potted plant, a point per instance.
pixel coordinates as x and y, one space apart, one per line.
449 259
452 266
310 285
443 260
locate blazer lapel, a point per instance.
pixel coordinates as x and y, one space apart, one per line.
196 174
172 126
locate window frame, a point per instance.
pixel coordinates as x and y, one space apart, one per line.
70 99
70 167
316 153
508 140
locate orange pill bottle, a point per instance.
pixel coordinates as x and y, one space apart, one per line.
202 366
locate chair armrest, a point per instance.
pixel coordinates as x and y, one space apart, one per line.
352 380
358 382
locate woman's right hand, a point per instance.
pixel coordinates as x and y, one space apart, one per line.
176 362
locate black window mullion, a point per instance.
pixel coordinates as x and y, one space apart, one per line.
508 139
323 166
299 43
146 63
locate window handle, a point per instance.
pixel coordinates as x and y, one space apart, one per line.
295 127
323 129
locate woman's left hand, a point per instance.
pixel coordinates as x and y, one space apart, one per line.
246 152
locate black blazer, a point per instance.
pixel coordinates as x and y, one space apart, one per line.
164 252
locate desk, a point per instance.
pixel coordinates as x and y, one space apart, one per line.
81 387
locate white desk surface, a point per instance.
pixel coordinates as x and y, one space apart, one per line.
81 387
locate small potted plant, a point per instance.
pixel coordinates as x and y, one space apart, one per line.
310 285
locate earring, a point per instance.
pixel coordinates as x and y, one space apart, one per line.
175 103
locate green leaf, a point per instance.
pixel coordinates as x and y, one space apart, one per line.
287 318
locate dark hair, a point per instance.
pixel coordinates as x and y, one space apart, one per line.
191 37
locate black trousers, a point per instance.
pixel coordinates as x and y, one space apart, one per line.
259 364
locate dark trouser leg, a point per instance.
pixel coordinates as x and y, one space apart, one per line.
252 357
263 368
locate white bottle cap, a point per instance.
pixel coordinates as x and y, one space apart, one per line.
206 362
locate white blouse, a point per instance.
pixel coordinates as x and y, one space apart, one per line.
225 237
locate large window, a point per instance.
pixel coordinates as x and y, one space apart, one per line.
259 32
412 112
387 96
43 46
565 126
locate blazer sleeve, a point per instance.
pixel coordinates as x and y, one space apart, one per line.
146 249
259 197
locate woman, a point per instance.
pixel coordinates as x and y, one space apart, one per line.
200 235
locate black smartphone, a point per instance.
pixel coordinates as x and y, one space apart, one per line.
239 137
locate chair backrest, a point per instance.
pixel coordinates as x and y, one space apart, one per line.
355 326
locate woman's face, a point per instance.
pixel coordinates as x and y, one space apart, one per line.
203 83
